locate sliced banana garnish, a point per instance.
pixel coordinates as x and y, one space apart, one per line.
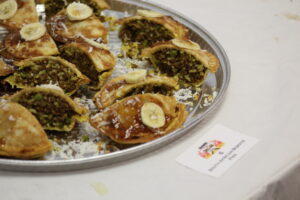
78 11
32 31
94 43
186 44
8 9
153 115
136 76
149 13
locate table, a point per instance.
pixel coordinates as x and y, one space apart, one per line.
262 40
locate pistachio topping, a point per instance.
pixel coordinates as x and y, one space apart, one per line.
83 62
145 32
53 7
175 62
47 71
151 88
49 109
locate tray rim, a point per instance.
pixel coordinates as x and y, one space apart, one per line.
126 154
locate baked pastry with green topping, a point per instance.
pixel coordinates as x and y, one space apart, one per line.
53 109
182 59
148 28
136 82
47 70
96 63
21 135
140 118
54 6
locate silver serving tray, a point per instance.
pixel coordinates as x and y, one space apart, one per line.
214 82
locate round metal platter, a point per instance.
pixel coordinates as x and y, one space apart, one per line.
215 83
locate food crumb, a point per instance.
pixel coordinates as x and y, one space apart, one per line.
11 118
85 138
100 188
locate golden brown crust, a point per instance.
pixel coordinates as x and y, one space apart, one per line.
15 47
21 135
213 62
26 14
63 30
122 120
31 62
79 110
208 59
102 4
177 29
117 88
5 69
102 79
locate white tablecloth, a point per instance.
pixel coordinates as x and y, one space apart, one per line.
262 40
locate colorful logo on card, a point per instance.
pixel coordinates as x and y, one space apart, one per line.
208 149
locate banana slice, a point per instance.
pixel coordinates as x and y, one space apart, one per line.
153 115
78 11
187 44
136 76
8 9
32 31
149 13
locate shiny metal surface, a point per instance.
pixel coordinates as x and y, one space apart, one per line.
219 81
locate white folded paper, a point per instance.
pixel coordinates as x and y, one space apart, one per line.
217 151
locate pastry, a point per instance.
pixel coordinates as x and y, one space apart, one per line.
53 109
136 82
140 118
183 59
148 28
31 41
54 6
15 13
93 61
47 70
21 135
5 69
64 30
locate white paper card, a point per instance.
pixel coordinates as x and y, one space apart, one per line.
217 151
